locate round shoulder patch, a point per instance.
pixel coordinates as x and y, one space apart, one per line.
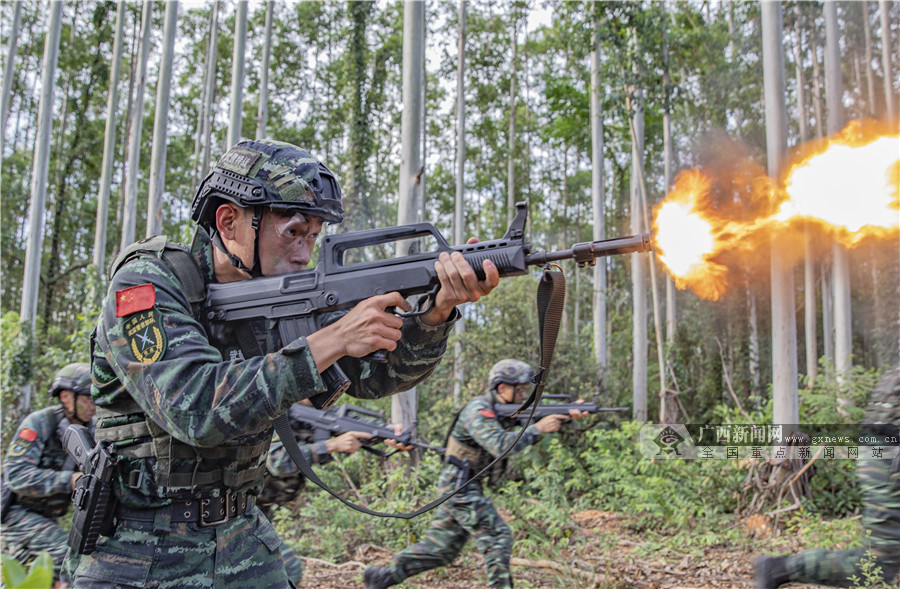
145 335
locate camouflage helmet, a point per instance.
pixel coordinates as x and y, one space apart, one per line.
75 377
510 372
272 174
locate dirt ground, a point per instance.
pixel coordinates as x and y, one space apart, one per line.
612 561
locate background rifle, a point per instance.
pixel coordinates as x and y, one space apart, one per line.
92 497
294 303
509 410
341 419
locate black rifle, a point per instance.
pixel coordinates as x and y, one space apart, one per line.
341 419
294 303
92 496
510 411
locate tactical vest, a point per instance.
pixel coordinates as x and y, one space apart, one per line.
54 458
469 455
149 458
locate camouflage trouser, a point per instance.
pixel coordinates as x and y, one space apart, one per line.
293 564
881 520
244 552
471 514
26 534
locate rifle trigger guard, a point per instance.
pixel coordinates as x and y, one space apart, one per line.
429 304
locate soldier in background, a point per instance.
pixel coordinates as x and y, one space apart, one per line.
38 474
190 417
880 483
475 438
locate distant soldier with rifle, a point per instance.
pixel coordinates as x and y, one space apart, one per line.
476 436
284 480
38 475
187 414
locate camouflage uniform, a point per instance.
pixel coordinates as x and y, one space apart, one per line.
469 513
880 483
39 473
201 418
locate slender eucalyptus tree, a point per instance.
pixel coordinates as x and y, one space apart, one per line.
840 258
109 144
459 219
129 212
886 53
638 270
160 121
404 406
784 336
41 163
209 91
8 70
598 203
262 114
511 135
237 74
40 169
870 77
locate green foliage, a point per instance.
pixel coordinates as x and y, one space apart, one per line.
38 576
872 574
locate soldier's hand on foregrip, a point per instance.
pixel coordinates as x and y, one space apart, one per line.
551 423
575 413
348 443
398 430
459 284
368 327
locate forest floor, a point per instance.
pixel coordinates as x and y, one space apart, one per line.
612 556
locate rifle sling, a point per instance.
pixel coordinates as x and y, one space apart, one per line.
550 298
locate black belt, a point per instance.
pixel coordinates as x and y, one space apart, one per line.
205 512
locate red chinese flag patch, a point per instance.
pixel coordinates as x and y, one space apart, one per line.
28 434
134 299
487 413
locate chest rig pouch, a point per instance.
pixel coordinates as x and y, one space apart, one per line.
150 459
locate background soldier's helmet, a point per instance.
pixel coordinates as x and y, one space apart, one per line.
272 174
74 377
510 372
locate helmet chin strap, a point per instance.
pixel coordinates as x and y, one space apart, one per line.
216 239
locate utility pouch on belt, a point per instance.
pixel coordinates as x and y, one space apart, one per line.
92 497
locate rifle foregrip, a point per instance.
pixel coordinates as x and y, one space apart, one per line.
505 263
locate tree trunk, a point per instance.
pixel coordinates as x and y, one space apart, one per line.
404 406
638 271
843 334
886 53
160 120
237 75
209 94
41 164
870 75
459 220
262 114
784 336
109 148
511 137
129 220
9 70
598 206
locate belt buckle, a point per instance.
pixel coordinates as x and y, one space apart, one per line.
204 513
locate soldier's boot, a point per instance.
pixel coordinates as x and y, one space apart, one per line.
378 578
771 572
